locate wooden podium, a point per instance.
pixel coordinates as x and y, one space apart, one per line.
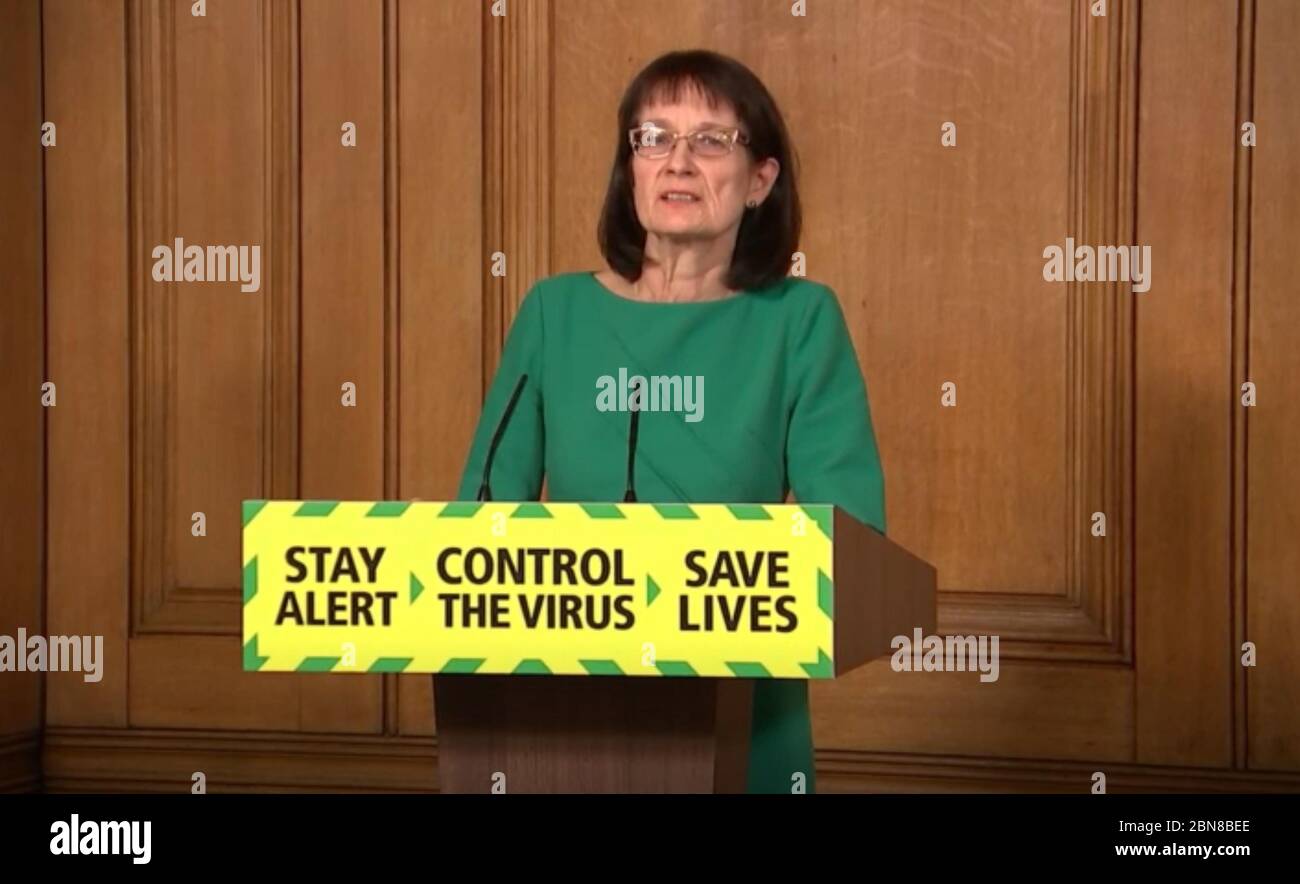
661 734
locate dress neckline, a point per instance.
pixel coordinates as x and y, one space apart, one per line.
615 296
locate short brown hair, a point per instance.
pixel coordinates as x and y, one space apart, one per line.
769 234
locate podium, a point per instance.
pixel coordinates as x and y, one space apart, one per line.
578 647
653 735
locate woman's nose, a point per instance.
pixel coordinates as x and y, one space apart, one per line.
679 158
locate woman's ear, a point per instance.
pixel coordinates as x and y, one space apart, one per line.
764 179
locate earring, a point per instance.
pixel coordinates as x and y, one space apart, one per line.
752 204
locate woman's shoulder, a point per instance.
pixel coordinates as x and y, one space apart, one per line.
797 287
548 296
557 285
799 296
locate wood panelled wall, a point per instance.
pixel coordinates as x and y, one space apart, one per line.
477 134
22 371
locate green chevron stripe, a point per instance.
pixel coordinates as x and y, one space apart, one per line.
250 510
459 510
390 664
532 667
416 587
602 510
252 661
651 590
823 668
675 667
317 664
825 594
749 511
601 667
749 670
388 509
824 517
462 665
316 508
675 511
531 511
250 580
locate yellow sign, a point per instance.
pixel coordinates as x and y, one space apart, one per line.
726 590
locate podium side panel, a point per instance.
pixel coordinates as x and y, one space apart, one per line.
881 590
575 734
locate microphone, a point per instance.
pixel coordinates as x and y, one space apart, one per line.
630 495
485 489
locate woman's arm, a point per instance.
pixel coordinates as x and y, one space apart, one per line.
519 463
831 454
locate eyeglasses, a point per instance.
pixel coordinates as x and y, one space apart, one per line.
652 142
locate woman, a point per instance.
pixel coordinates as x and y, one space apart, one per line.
700 221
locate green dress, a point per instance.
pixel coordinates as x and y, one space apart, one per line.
780 405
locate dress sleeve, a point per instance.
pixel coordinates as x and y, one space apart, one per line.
518 466
831 453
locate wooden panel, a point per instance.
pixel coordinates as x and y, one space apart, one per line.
88 351
282 255
1052 87
220 183
1239 323
22 364
203 175
1090 620
519 173
343 249
439 108
343 290
924 245
199 175
575 734
144 760
910 774
1184 399
20 762
1273 514
197 681
1044 711
936 255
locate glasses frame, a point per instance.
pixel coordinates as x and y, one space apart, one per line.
734 136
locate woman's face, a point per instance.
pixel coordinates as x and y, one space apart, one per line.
720 185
